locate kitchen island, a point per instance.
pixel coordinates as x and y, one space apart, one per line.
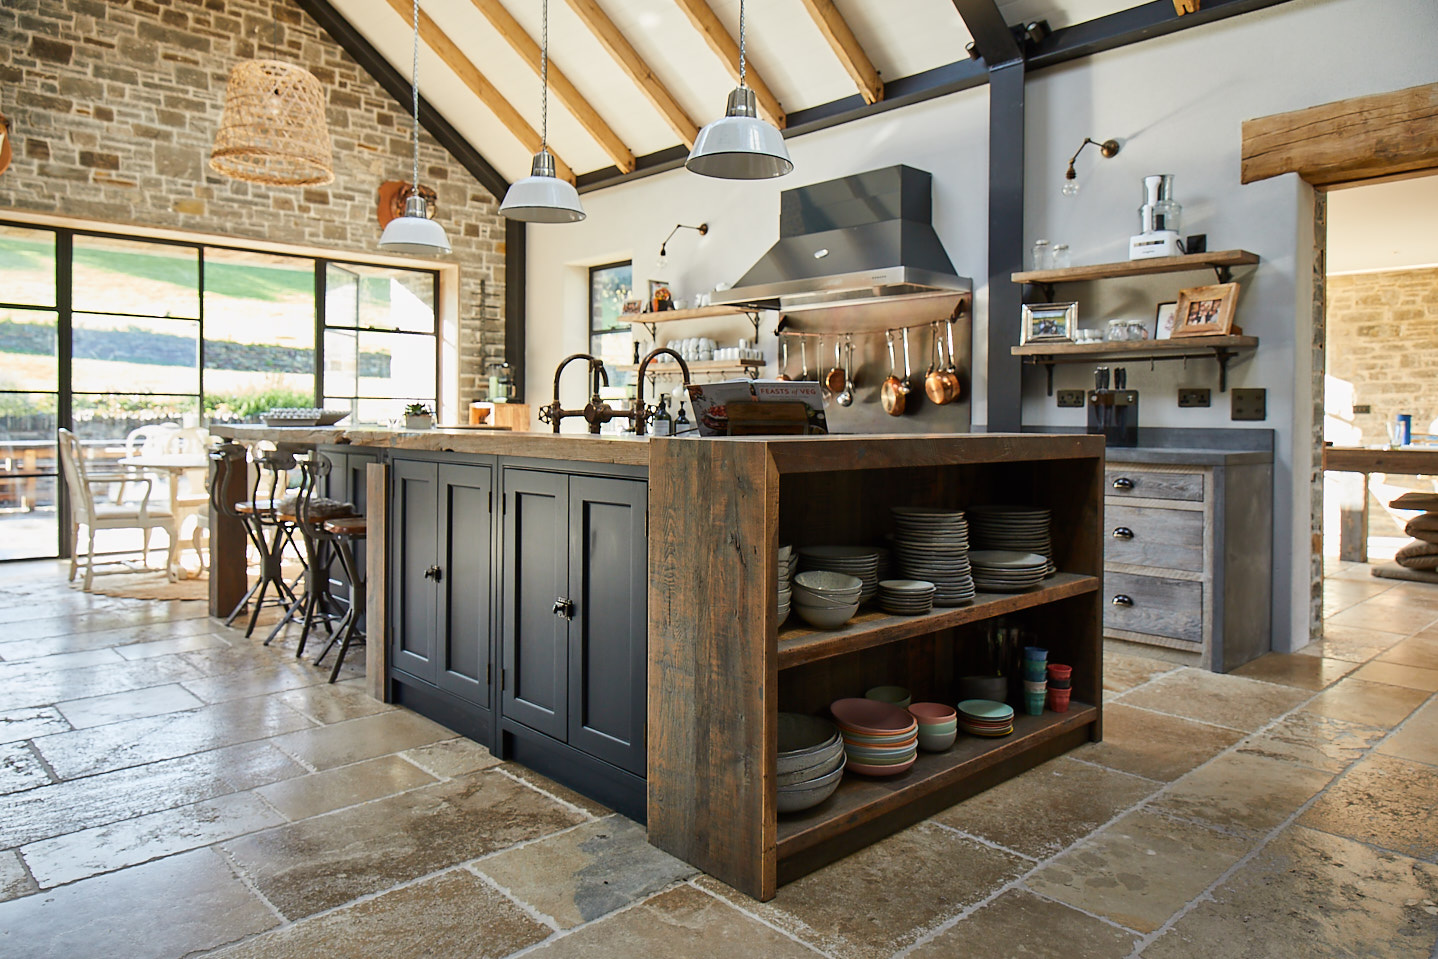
603 609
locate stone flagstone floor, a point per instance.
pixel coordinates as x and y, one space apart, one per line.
169 788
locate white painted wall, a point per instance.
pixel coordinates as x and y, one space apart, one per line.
1176 104
1384 226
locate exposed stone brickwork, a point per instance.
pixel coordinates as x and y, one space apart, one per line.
115 104
1383 338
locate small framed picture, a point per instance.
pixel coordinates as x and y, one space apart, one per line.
659 296
1163 320
631 307
1205 310
1049 322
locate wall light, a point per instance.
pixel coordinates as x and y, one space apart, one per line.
1109 148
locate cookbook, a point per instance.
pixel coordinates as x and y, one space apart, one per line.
711 401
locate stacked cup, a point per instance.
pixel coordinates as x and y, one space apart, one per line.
1060 677
1035 679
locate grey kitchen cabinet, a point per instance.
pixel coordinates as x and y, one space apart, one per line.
348 483
1188 555
442 575
574 612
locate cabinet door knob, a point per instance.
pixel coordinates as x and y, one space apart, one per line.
1122 532
434 573
1123 483
563 606
1122 600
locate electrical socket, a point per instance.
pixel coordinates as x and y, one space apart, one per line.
1193 396
1249 404
1361 408
1070 398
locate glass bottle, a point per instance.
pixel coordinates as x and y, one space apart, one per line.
681 422
663 422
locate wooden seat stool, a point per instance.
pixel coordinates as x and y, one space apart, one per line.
343 532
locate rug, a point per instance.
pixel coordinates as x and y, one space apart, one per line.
1394 571
147 584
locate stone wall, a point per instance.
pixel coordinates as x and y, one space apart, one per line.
114 106
1383 338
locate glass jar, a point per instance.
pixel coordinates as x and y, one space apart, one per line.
1041 258
1126 331
1061 258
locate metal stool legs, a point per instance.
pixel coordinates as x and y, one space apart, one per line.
349 629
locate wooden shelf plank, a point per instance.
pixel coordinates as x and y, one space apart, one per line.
698 366
1135 349
800 643
674 316
1160 264
861 799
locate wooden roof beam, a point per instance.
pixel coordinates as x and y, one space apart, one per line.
564 91
445 49
610 37
846 47
707 22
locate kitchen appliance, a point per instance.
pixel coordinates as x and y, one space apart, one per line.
1159 221
1113 411
501 383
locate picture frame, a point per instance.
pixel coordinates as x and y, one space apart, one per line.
1163 319
660 297
1049 322
1205 310
631 307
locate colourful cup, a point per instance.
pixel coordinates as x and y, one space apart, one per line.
1059 671
1058 700
1034 703
1034 671
1036 652
1033 687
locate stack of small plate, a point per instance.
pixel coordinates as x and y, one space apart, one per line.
1008 571
932 545
984 717
880 739
906 597
811 761
860 561
1021 528
786 572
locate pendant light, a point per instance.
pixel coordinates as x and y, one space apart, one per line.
738 145
414 232
542 197
273 128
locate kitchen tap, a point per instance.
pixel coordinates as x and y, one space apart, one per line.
596 413
640 414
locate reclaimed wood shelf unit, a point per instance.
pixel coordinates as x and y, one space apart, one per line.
1221 262
721 668
1222 348
650 320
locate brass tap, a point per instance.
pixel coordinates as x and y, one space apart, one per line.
596 413
641 413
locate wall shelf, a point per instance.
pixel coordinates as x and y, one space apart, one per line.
745 367
650 320
1220 261
1220 348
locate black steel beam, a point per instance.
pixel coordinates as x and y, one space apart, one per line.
1006 244
515 263
1144 22
397 85
992 36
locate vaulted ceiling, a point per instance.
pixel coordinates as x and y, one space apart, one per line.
633 78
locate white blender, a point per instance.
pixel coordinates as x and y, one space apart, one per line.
1159 220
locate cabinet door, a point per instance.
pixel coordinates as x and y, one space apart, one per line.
348 483
608 582
536 573
462 653
416 551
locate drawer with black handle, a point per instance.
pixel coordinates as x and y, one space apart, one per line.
1144 484
1154 605
1154 536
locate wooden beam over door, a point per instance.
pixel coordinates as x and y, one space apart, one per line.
847 48
707 22
564 91
610 37
454 58
1359 139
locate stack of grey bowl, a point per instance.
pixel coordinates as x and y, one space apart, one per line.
811 761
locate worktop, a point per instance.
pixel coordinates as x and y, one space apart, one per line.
1187 456
620 450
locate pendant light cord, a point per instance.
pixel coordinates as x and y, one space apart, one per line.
741 42
414 94
544 84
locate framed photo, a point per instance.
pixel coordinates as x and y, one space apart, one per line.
659 296
1163 320
632 307
1205 310
1049 322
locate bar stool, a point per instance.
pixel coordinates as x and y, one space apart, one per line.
261 516
343 532
306 513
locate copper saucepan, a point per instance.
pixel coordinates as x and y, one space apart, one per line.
951 373
895 392
936 386
835 381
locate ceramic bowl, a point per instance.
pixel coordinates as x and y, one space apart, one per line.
937 742
803 739
823 581
831 760
804 795
871 770
933 714
870 717
802 597
826 618
897 695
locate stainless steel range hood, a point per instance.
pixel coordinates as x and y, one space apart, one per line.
856 240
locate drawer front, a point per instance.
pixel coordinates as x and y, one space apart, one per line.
1142 484
1154 536
1157 606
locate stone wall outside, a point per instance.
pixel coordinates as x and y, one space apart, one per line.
114 106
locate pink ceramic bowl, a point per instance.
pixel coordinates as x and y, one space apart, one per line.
870 715
932 714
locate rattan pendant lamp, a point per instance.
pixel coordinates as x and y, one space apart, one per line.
739 145
543 197
414 232
273 130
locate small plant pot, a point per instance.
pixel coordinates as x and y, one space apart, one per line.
1058 700
413 422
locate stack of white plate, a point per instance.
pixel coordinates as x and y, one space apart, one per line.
932 545
906 597
786 573
860 561
1007 571
1022 528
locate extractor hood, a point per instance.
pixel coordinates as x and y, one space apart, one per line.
855 240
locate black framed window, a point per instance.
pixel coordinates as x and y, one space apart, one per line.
610 338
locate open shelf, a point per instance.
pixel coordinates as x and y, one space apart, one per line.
698 366
1220 260
800 643
675 316
861 799
1219 347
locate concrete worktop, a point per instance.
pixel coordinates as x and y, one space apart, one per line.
1179 456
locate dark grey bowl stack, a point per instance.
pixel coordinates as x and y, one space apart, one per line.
811 761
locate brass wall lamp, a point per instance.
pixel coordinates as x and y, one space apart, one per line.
1109 149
